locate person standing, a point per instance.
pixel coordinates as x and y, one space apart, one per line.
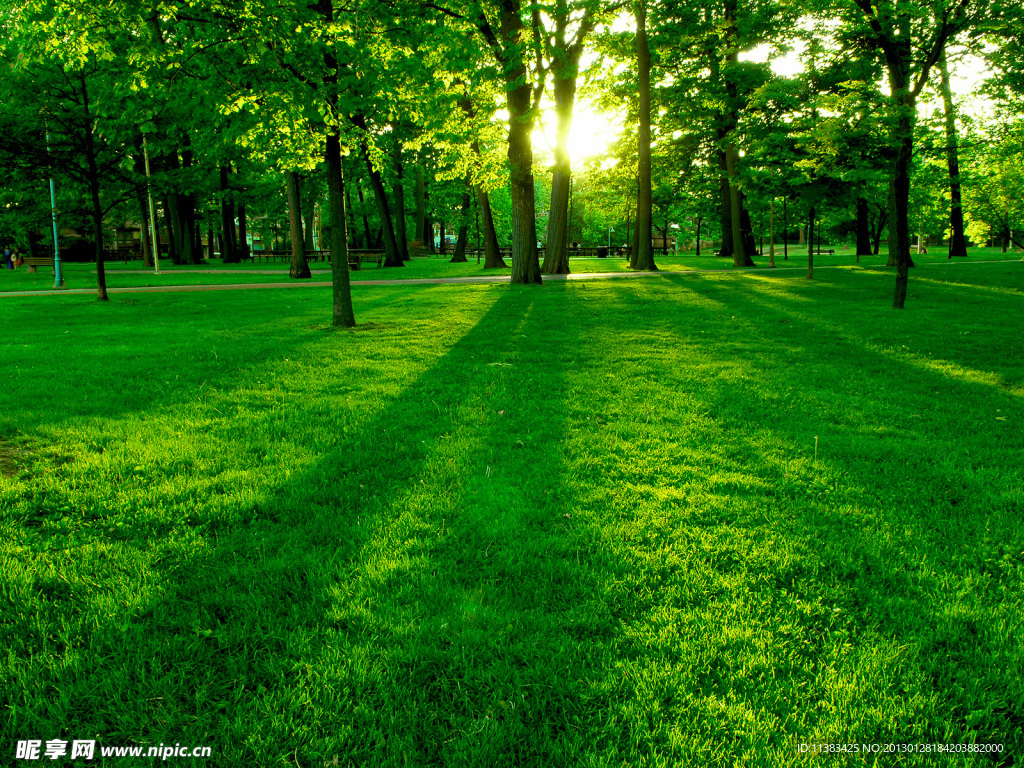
8 264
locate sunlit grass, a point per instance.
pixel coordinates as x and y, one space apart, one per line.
691 521
213 272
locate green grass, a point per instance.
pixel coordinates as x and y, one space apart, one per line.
131 275
684 522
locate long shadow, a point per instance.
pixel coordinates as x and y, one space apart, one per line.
890 491
410 598
200 343
561 582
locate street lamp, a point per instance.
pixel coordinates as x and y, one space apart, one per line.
152 213
610 230
58 277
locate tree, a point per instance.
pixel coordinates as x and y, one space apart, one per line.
910 40
642 256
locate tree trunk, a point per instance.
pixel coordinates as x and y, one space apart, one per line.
228 251
209 238
342 314
492 253
366 222
308 211
643 257
957 243
739 250
556 254
94 191
172 251
863 231
299 267
785 231
519 91
810 243
351 217
725 202
421 199
699 219
398 193
243 233
460 243
187 216
771 233
392 258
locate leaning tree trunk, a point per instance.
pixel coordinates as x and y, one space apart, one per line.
643 257
366 222
492 253
299 267
957 243
392 258
460 242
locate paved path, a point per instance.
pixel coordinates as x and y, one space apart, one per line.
424 281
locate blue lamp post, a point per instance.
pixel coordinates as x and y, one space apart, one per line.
58 278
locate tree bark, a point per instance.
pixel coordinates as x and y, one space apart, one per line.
863 230
94 192
299 267
243 233
398 193
492 253
228 251
463 236
810 243
392 258
308 211
366 222
351 217
421 203
957 242
342 314
519 92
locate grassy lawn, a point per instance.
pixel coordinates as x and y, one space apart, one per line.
696 521
213 272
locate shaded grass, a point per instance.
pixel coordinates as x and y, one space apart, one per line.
577 525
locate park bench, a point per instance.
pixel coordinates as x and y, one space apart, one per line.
822 251
32 262
356 259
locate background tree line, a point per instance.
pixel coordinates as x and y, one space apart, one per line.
374 124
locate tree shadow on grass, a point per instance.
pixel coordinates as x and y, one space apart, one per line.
894 520
416 596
